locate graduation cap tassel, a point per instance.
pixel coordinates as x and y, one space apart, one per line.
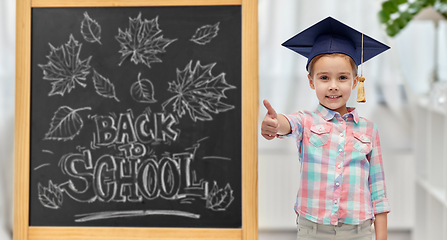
361 90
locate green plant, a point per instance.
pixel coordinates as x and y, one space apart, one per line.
395 14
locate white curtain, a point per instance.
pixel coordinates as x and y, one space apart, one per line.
7 72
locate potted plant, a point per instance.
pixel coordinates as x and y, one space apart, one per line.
395 14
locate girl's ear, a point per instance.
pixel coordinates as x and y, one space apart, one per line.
311 81
356 80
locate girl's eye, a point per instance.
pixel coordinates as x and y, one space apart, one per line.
324 78
343 78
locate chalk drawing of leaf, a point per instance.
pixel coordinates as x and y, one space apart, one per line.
198 92
90 29
142 90
205 34
219 199
103 86
64 67
142 41
50 197
65 124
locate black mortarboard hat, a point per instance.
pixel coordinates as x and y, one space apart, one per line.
332 36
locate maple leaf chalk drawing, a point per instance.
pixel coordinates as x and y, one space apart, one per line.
142 91
65 124
103 86
51 196
198 92
90 29
64 67
142 41
219 199
205 34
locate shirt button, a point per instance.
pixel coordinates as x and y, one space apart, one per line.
335 201
339 166
340 150
337 184
341 135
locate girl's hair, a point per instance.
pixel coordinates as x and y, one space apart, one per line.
351 61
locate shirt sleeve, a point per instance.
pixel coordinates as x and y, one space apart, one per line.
377 177
296 125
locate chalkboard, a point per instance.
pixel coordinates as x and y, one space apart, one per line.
136 117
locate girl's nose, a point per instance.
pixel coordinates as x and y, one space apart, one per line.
333 86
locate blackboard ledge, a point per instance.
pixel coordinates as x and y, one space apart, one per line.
88 233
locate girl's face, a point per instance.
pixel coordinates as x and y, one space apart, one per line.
333 79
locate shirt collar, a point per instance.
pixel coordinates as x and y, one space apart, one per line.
328 114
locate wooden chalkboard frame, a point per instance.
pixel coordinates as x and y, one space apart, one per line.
249 229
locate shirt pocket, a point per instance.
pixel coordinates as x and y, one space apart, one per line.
319 134
362 143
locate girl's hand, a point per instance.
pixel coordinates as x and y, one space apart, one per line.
270 124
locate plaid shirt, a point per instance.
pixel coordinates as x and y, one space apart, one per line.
342 177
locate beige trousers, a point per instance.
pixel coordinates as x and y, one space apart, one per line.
314 231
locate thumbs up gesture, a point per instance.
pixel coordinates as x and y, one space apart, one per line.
270 124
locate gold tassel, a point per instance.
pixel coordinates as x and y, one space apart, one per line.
361 90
